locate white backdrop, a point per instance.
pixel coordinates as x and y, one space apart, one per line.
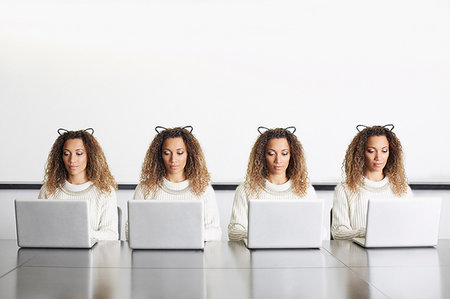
224 67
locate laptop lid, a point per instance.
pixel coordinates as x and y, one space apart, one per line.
165 224
285 223
53 223
403 222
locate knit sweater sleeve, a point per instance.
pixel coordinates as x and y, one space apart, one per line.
237 229
108 218
211 216
43 193
138 195
409 193
311 192
341 228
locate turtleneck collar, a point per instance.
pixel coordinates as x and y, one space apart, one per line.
372 185
278 188
175 187
77 188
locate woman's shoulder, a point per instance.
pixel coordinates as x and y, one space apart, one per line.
310 191
93 190
43 192
241 189
139 192
408 190
408 193
341 188
139 187
209 190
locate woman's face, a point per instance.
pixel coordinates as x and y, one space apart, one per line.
278 155
174 155
376 153
75 157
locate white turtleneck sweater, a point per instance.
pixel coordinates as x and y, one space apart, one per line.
182 191
237 229
350 210
102 207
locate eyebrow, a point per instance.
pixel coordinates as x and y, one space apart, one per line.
271 149
375 147
78 149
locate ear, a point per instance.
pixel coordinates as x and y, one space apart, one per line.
159 129
62 131
358 127
291 129
90 131
262 130
390 127
189 128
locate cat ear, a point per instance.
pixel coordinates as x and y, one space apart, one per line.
189 128
262 130
62 131
358 127
159 129
89 130
291 129
390 127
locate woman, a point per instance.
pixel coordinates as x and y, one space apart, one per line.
276 170
174 168
374 169
77 169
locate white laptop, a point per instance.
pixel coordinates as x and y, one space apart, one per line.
53 223
285 223
402 223
165 224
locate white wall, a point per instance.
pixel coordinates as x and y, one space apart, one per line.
225 67
224 201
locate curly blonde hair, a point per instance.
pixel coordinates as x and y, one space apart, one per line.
354 163
154 171
257 170
97 170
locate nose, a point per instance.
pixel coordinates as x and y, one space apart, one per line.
172 158
276 159
377 155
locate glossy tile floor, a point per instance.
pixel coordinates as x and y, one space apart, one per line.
340 269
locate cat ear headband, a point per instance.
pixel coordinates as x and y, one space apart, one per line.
291 129
390 127
159 129
62 131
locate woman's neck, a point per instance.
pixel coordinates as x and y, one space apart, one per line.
77 179
374 176
278 179
176 178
